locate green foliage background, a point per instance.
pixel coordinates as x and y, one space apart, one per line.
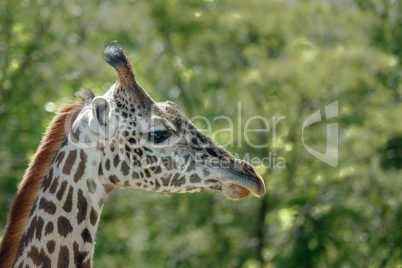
279 58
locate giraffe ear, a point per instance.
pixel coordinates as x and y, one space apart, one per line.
101 120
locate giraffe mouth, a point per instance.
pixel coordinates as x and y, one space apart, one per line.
235 192
237 186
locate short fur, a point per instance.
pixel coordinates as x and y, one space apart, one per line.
33 177
115 56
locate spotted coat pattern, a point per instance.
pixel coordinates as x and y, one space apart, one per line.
123 139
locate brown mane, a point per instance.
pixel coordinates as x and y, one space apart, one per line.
32 180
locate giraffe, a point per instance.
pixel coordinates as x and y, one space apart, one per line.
121 139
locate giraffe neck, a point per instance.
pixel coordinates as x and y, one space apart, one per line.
62 224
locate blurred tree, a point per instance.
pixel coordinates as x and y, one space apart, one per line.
280 60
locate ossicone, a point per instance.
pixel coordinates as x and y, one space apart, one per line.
115 56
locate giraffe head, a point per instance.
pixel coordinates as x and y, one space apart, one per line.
153 146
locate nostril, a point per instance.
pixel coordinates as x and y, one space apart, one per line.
246 168
249 169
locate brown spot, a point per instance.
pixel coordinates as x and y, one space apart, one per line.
194 143
39 258
82 206
39 228
33 209
64 226
147 173
126 183
50 245
68 205
137 163
114 179
212 152
157 185
59 158
91 186
128 149
79 257
191 167
49 228
47 180
166 180
168 162
116 161
124 168
60 193
107 164
68 165
151 159
138 184
48 206
156 170
54 185
81 166
138 151
64 258
177 182
93 216
135 175
112 147
86 235
147 149
194 178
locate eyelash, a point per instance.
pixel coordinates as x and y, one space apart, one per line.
158 136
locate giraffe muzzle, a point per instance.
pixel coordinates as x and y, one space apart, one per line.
237 185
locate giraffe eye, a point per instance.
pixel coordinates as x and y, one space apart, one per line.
158 136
